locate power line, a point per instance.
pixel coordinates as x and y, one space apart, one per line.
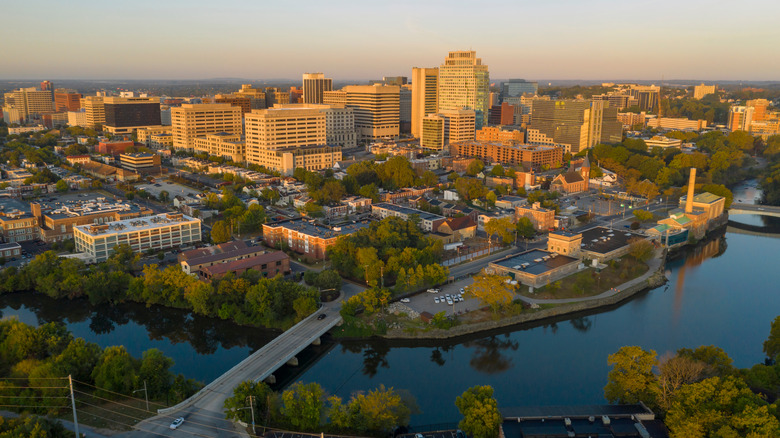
117 393
109 410
111 401
32 406
34 378
33 387
131 426
31 396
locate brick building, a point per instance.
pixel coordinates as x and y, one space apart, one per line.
270 264
542 218
304 237
493 152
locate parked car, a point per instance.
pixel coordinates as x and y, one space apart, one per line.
436 300
177 422
405 300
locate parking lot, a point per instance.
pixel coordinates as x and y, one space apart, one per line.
425 301
173 189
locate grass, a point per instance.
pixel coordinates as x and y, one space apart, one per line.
589 282
120 415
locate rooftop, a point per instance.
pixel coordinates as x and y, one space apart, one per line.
316 230
424 215
704 198
602 240
222 268
74 208
536 261
137 224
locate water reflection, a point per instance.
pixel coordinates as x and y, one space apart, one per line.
694 257
489 357
581 324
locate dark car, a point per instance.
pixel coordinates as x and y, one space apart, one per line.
322 316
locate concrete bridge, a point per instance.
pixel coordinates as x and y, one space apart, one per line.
762 210
203 412
752 230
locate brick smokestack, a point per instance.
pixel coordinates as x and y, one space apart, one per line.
691 186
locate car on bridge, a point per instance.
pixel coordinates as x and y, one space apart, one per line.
177 422
322 316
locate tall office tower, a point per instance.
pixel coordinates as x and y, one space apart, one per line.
424 90
296 95
503 114
287 137
646 95
314 84
699 91
190 121
256 97
95 110
275 95
740 118
494 99
126 114
405 109
518 87
464 83
759 109
47 86
336 97
579 124
340 126
29 103
446 127
66 100
377 110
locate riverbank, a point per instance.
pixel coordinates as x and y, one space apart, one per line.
651 279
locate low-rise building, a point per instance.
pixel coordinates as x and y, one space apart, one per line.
510 202
404 193
158 232
659 141
269 264
429 222
142 163
564 242
57 219
484 218
78 159
18 226
357 204
305 237
113 147
194 260
543 219
604 244
535 268
461 228
10 250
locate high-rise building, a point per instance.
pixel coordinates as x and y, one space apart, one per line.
47 86
424 92
335 97
503 114
67 100
518 87
646 95
579 124
340 126
377 110
190 121
275 95
126 114
287 137
314 84
740 118
759 109
29 103
464 83
296 95
699 91
237 100
405 109
95 110
446 127
256 97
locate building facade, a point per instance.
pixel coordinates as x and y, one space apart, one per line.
377 110
126 114
464 82
191 121
314 85
520 154
424 96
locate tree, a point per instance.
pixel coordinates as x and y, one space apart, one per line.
497 170
720 407
491 198
164 196
429 179
303 405
716 360
631 378
328 279
220 232
525 228
772 344
673 373
640 249
382 409
61 186
481 417
155 371
493 290
116 371
475 167
503 227
234 406
643 215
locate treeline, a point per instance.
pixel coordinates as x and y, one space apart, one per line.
390 251
32 426
770 181
709 108
36 361
249 299
648 173
307 408
699 392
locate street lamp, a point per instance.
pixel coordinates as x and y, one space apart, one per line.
146 395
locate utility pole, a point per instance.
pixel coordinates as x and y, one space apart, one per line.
146 395
252 408
73 402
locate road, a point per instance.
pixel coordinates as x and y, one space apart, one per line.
204 416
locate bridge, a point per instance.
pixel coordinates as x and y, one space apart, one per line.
203 412
753 230
762 210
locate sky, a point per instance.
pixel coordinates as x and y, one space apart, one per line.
367 39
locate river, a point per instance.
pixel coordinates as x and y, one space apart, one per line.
724 292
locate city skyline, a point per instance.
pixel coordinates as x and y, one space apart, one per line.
348 40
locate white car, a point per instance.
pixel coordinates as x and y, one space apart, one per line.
405 300
461 290
177 422
436 300
449 301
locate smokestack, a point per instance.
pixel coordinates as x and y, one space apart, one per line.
691 186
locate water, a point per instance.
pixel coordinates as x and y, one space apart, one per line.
722 293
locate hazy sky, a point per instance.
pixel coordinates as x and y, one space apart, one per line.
542 39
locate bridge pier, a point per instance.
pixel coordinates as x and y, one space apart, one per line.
317 341
270 379
293 361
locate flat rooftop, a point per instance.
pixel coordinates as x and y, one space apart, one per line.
313 229
136 224
407 211
602 240
535 261
62 208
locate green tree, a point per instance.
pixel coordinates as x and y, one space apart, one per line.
61 186
155 371
497 170
525 228
631 379
481 417
493 290
643 215
503 227
328 279
429 179
641 249
716 360
234 406
79 359
116 371
303 405
382 409
491 198
220 232
164 196
475 167
772 344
